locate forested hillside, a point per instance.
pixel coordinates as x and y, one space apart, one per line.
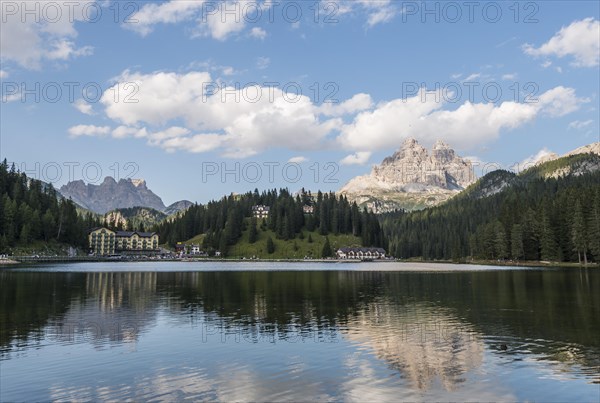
33 211
223 221
550 212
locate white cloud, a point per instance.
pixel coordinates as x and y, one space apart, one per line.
216 19
88 130
262 62
298 160
171 12
580 40
474 160
560 101
199 143
543 155
358 158
161 96
52 38
258 33
578 124
12 97
472 77
126 131
383 15
220 25
3 74
357 103
228 71
180 111
378 12
509 76
162 136
211 66
241 122
471 124
83 107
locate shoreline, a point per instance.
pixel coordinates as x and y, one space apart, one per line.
7 262
16 260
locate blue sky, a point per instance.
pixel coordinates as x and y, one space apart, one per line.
358 66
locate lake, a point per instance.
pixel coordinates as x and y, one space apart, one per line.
298 331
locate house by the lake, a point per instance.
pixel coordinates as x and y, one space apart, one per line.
103 241
360 253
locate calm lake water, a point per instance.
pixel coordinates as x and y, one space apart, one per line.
304 331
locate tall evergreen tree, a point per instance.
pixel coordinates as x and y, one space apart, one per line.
594 230
326 251
500 242
578 233
516 242
252 232
270 245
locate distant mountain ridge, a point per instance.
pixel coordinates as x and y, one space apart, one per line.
178 206
112 195
571 164
412 178
549 212
593 148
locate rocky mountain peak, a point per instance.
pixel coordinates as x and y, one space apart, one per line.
410 151
440 145
441 153
111 195
425 177
139 183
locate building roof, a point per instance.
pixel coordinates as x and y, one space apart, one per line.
364 250
140 234
97 228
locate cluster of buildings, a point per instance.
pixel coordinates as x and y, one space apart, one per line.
192 250
360 253
262 211
104 242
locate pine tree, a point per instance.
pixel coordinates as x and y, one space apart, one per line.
578 233
500 246
547 242
323 220
223 246
516 242
252 232
326 251
594 227
270 245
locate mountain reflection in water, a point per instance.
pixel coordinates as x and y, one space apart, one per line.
341 335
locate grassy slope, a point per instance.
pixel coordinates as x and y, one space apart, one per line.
41 248
195 240
284 249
